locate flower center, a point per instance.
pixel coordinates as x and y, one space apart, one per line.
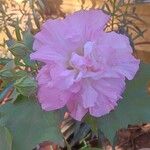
84 63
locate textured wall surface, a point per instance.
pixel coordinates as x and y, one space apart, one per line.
144 12
144 50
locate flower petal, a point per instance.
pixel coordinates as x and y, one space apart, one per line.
44 76
77 61
118 42
89 95
127 65
85 67
87 28
110 87
77 111
47 55
103 106
52 98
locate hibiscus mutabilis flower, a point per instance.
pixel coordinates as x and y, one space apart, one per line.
85 67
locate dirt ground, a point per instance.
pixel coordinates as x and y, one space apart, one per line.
134 138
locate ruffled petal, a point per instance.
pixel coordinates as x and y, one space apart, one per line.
115 54
109 92
54 32
102 107
110 87
86 24
127 65
51 98
89 95
74 105
43 75
77 61
66 79
47 55
118 42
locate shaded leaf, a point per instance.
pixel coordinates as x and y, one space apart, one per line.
90 120
30 125
5 139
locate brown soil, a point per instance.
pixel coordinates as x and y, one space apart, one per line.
134 138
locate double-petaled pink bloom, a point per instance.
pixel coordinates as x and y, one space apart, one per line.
85 67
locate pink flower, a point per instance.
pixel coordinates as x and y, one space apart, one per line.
85 67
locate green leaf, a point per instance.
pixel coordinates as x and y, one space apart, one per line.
29 62
4 61
19 50
5 139
10 65
19 74
30 125
14 96
5 91
28 39
92 121
18 62
17 30
134 108
7 71
10 43
4 73
26 85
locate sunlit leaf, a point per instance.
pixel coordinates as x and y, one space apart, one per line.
17 30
